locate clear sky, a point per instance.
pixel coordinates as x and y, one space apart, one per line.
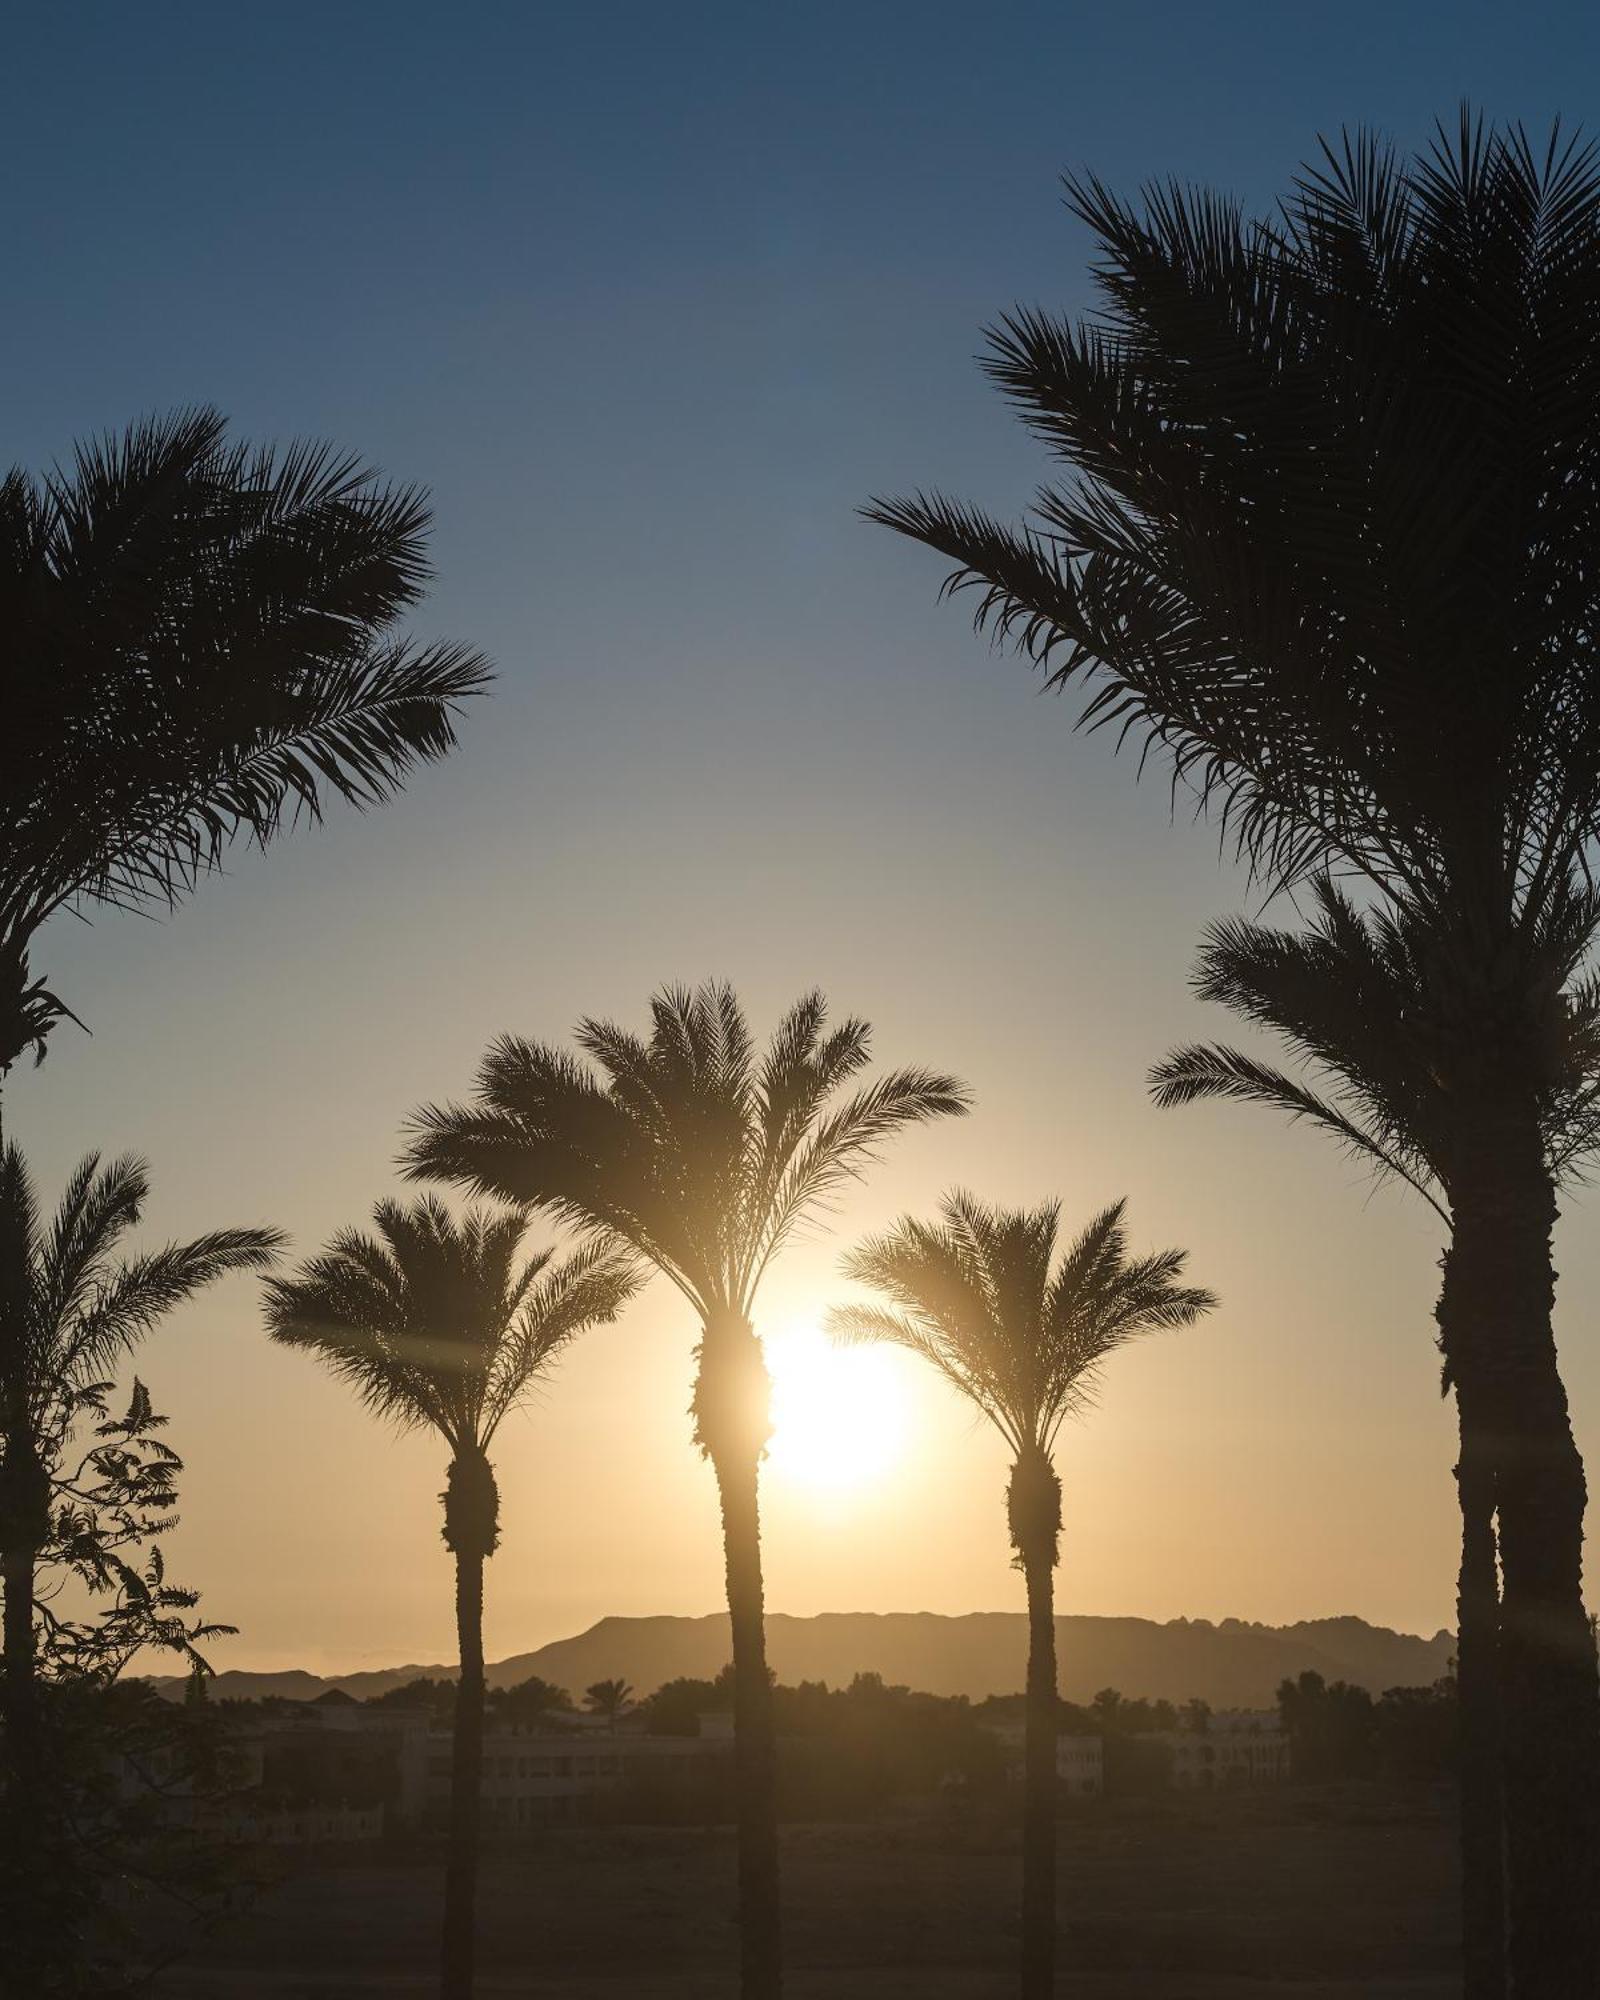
651 297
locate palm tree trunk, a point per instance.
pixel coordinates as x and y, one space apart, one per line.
471 1508
22 1747
1483 1884
1034 1508
466 1779
1496 1327
25 1500
24 1522
732 1423
34 1939
755 1747
1039 1801
37 1943
1552 1700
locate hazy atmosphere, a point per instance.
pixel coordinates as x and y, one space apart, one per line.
652 300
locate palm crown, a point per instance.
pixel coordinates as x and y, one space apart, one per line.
199 640
975 1294
608 1697
1327 542
70 1309
1358 998
686 1145
439 1322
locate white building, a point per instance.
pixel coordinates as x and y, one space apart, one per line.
1237 1748
541 1777
1081 1765
1080 1760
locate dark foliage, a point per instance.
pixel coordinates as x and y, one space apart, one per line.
1338 1731
122 1877
534 1700
435 1697
200 641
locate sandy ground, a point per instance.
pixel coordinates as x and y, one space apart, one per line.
1322 1896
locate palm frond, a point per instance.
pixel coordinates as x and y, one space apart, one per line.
685 1144
71 1308
839 1146
1190 1074
134 1301
202 644
974 1295
432 1319
1327 478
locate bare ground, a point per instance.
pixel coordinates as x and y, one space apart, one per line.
1324 1895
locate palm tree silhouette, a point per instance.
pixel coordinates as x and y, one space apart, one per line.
704 1158
1326 546
1356 998
436 1323
976 1296
70 1310
199 645
612 1699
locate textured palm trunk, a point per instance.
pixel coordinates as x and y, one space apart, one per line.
24 1524
1551 1724
1034 1508
21 1713
29 1939
23 1775
1483 1882
471 1509
33 1941
731 1405
1495 1320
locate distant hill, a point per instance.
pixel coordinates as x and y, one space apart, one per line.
1230 1665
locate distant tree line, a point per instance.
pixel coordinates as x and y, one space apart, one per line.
1339 1731
853 1751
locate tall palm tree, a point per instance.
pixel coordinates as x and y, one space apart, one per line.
1356 998
611 1699
1325 543
975 1295
705 1158
200 643
71 1309
437 1324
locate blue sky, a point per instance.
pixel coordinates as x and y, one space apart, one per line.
651 299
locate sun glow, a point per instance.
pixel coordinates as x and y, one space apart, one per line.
838 1414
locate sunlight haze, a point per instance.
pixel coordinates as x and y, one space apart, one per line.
651 322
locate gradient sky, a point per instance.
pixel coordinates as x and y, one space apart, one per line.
651 298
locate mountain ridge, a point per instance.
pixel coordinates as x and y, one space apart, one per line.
1233 1663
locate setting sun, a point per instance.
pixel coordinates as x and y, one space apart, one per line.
838 1414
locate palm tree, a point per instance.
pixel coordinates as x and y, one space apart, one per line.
705 1159
70 1311
612 1699
975 1294
436 1324
1356 999
199 644
1325 545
